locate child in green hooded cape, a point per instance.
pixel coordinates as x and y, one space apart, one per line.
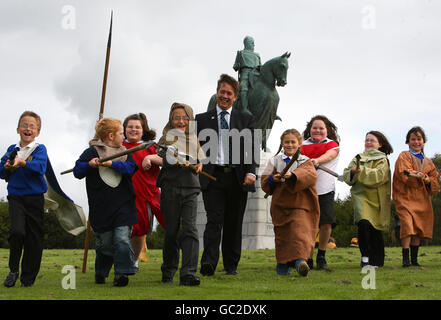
369 176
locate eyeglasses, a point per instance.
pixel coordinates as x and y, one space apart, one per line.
178 118
28 126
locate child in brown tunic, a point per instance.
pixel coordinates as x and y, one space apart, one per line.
411 194
294 209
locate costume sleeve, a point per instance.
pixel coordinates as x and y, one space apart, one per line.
38 163
402 164
348 178
375 176
306 176
433 187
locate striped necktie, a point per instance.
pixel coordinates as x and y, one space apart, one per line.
224 123
226 144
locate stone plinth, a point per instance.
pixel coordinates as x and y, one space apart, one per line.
257 228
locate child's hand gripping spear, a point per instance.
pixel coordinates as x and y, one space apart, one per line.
182 160
285 172
419 175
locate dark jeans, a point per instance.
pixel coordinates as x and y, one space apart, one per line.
114 248
26 235
225 203
179 206
370 243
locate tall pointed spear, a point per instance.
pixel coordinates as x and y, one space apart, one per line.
106 69
100 116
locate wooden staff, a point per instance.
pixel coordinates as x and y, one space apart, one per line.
180 159
100 116
332 173
285 170
412 175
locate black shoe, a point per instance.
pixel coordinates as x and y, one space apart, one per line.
166 279
406 264
100 279
232 272
207 270
190 280
414 256
121 280
405 254
11 279
26 284
321 263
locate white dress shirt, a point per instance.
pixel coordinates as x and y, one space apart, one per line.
220 151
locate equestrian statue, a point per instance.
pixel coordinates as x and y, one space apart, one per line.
257 93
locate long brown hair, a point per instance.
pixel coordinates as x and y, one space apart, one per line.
330 127
286 132
385 145
147 133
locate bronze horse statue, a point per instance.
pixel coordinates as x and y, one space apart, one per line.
263 98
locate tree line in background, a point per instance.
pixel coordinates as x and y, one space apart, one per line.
56 238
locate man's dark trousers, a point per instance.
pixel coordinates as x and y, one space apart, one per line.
225 203
225 199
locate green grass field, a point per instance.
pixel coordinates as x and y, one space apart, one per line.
257 279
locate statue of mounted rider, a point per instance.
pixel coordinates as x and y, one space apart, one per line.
257 93
246 62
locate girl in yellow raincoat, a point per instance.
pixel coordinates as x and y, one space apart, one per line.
370 178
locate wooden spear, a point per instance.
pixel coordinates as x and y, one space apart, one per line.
100 116
285 170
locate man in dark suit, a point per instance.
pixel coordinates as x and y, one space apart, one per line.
233 164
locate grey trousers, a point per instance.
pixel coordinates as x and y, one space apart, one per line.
179 208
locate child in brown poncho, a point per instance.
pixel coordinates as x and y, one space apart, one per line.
411 195
294 209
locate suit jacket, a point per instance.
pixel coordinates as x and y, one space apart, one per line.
239 121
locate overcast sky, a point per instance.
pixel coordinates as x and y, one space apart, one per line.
367 65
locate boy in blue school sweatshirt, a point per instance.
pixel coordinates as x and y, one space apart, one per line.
26 188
